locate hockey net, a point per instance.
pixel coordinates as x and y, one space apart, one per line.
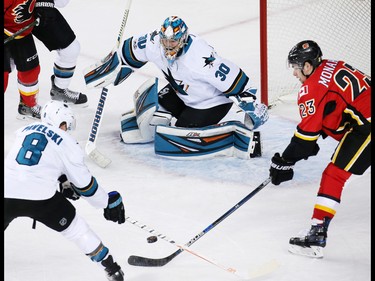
340 27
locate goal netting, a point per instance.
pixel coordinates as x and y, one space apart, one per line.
340 27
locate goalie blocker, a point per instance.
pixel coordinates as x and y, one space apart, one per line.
147 122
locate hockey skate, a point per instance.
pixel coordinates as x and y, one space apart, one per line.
312 244
67 96
113 270
25 111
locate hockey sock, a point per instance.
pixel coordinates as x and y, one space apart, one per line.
28 85
329 194
6 78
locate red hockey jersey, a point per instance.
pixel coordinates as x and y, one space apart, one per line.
333 99
18 14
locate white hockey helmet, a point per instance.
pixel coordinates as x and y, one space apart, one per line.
173 36
56 112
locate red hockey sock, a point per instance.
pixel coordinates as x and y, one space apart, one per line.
6 78
28 85
329 195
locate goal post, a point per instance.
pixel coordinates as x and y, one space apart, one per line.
340 27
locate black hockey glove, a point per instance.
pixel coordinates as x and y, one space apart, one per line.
115 210
280 169
46 12
67 188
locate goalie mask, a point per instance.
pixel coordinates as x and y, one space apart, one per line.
56 112
173 37
305 51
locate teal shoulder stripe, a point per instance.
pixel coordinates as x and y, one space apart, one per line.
128 54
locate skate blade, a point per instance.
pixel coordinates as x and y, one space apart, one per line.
26 117
312 252
79 105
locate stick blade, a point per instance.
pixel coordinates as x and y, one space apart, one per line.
263 270
150 262
99 158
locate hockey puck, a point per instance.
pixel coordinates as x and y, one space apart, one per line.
152 239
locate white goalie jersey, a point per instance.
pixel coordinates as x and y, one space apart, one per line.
39 155
201 78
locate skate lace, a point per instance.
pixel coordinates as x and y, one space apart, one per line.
36 109
71 94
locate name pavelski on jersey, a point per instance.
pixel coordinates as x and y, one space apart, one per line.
56 138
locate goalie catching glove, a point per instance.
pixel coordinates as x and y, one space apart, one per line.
280 170
115 210
258 113
67 188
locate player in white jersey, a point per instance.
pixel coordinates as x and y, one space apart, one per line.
41 153
199 80
201 92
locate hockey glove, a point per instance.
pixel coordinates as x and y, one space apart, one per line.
45 10
115 210
122 75
314 152
280 170
67 188
257 113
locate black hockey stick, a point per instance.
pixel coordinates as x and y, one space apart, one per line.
14 35
144 261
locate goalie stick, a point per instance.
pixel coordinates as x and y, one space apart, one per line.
144 261
90 149
105 71
14 35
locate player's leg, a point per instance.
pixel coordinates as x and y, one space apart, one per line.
60 37
352 156
25 56
59 214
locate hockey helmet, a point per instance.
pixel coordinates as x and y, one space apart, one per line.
305 51
56 112
173 36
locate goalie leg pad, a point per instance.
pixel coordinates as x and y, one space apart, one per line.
161 118
146 103
230 138
247 142
137 125
129 130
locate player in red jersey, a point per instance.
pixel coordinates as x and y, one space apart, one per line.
21 53
334 100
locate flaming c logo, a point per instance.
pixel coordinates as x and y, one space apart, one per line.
23 11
